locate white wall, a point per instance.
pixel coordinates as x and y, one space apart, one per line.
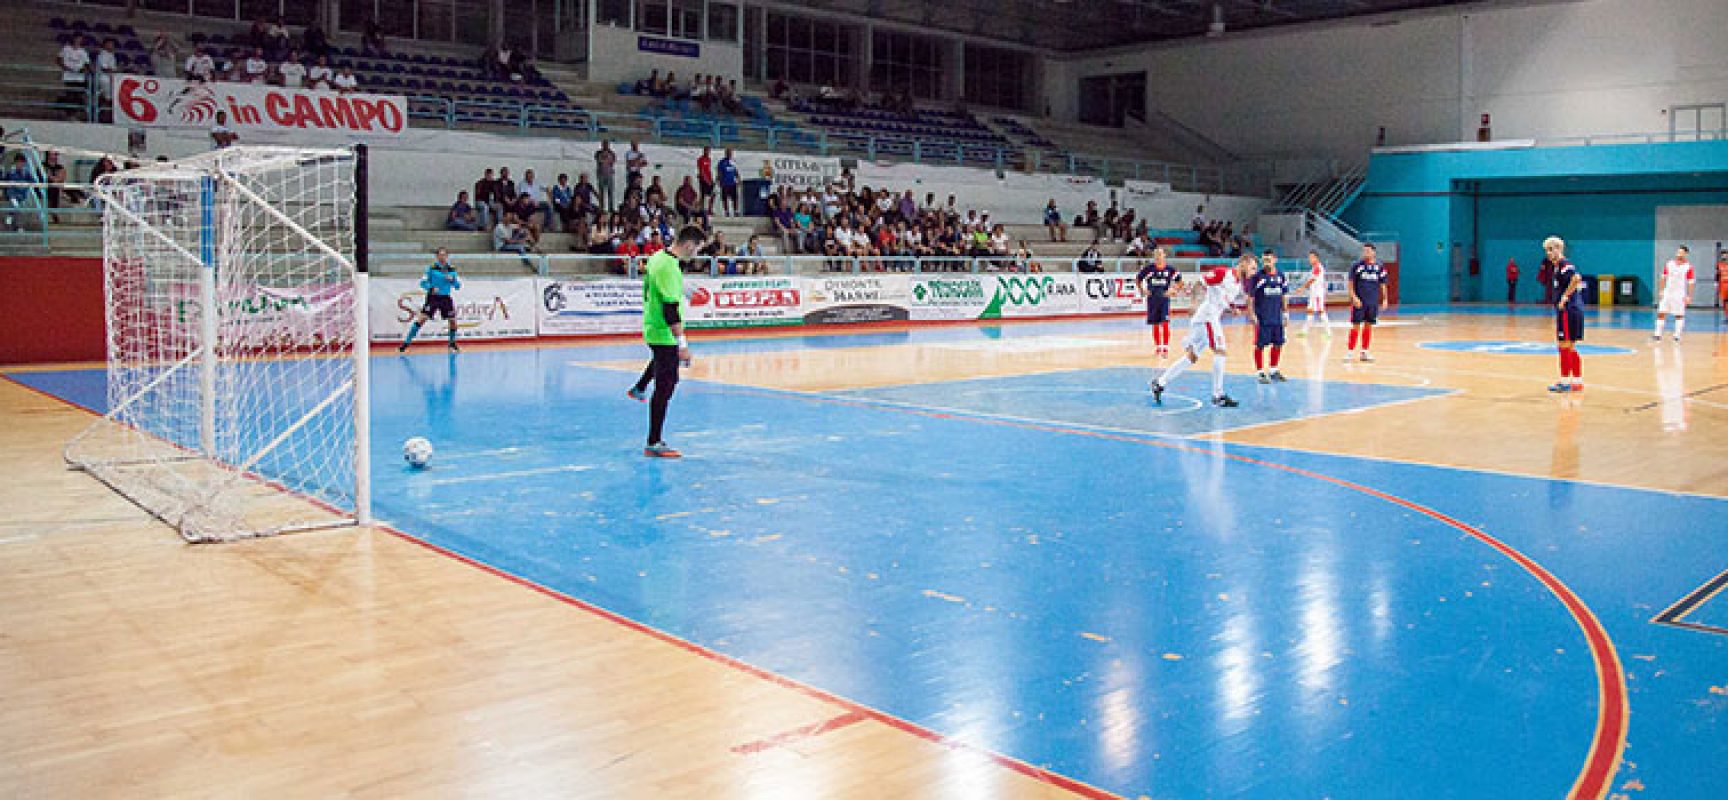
613 57
1543 71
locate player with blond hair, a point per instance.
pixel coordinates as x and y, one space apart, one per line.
1569 315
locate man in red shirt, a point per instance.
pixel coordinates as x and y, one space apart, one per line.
1722 281
1545 281
1511 281
631 254
705 177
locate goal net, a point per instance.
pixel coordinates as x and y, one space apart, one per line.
236 341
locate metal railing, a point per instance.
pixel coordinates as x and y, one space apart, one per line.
556 265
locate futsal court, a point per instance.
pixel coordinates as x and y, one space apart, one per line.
953 561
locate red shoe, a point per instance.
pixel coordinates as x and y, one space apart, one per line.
661 450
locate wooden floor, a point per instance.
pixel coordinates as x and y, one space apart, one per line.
363 663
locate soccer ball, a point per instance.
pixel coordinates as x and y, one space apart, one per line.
417 452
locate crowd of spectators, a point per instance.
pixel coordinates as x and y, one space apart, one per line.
711 93
880 229
1219 237
843 99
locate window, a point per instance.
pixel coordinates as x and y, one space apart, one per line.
802 50
997 77
905 62
686 19
722 22
616 12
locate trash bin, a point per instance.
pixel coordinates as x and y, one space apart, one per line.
1626 291
1589 290
1604 290
755 198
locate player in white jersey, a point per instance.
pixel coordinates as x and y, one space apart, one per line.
1674 293
1316 289
1223 287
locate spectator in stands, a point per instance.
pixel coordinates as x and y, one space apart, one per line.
650 84
527 212
461 216
54 173
1053 222
506 193
587 200
635 163
17 197
688 202
669 87
200 66
705 179
220 134
908 208
1198 224
563 197
702 92
485 198
75 64
318 78
714 256
786 226
1090 260
257 34
257 69
508 237
605 165
291 71
1110 217
277 41
541 199
1023 260
345 82
728 177
372 38
1125 225
999 241
655 194
164 56
779 89
1138 248
496 61
107 65
626 246
750 258
313 42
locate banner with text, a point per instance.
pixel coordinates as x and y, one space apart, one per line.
568 308
844 299
743 302
141 100
485 309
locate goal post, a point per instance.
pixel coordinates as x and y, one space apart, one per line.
237 345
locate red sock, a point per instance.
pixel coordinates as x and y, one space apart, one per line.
1259 358
1577 364
1565 363
1353 333
1164 331
1277 350
1367 335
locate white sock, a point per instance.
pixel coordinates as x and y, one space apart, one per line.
1680 325
1659 323
1175 369
1217 376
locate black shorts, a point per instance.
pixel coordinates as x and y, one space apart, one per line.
1569 325
1157 309
1269 334
706 188
439 305
1365 314
729 192
665 365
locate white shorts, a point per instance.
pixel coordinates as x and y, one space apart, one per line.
1203 336
1672 304
1316 302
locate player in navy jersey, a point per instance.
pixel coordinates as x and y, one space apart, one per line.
1156 280
1268 290
1568 317
1367 281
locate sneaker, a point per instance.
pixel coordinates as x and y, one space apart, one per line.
1577 388
454 348
639 395
1224 401
402 348
1560 388
661 450
1655 337
1157 393
1279 377
1676 338
1263 377
1366 356
1350 356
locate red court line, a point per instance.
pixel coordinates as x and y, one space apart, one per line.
1613 704
800 734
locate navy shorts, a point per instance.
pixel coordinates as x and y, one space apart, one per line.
439 305
1268 335
1569 325
1367 313
1157 310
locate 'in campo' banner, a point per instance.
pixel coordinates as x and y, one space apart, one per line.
141 100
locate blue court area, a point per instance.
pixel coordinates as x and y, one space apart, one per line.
1152 615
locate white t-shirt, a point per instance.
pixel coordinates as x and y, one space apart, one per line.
293 73
1676 278
200 66
106 62
320 74
1220 295
219 134
74 58
346 83
1318 287
255 68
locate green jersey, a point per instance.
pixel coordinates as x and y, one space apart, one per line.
663 282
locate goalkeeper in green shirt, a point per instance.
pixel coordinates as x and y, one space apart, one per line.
663 329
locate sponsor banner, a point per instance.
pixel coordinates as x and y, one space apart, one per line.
587 307
953 297
743 302
798 172
1144 190
668 47
485 309
270 317
1037 295
144 101
1110 294
857 298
